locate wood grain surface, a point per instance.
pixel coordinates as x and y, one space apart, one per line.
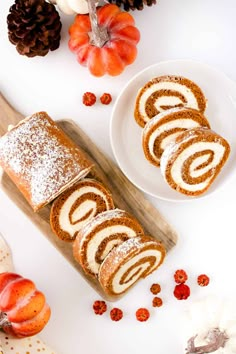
125 195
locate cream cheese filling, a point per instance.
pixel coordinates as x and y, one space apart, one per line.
117 287
99 237
176 170
80 211
169 100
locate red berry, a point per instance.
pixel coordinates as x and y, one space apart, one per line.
142 314
116 314
203 280
106 98
99 307
157 302
89 98
155 289
182 291
180 276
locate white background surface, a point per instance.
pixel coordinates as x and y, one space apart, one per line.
203 30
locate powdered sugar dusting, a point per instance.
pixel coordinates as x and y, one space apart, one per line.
104 217
35 153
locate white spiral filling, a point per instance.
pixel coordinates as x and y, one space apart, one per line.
99 237
85 207
176 123
176 168
167 100
117 286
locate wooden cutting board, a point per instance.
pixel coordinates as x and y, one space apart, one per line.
125 195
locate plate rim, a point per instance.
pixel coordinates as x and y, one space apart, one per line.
133 78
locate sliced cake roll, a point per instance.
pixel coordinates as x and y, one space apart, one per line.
99 235
192 162
72 209
133 259
165 127
166 92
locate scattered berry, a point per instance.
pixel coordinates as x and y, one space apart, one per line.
203 280
89 98
180 276
99 307
106 98
142 314
155 289
157 302
116 314
181 291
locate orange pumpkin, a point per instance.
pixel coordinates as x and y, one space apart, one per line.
23 309
117 52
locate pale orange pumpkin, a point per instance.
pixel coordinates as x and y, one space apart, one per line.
118 51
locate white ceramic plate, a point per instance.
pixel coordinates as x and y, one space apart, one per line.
126 134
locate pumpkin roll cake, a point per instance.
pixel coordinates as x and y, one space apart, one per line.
165 127
73 208
132 260
192 162
41 159
99 235
166 92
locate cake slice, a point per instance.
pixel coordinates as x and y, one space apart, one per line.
99 235
130 261
166 92
77 205
165 127
192 162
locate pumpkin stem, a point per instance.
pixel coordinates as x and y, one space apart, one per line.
215 338
99 35
4 320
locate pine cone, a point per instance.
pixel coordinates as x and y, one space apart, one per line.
133 4
34 26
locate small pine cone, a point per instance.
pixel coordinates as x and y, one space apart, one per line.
34 27
133 4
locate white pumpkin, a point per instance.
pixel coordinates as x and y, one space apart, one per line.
211 327
70 7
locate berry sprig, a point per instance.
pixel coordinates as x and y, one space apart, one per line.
203 280
106 98
99 307
116 314
157 302
89 98
155 289
180 276
142 314
182 291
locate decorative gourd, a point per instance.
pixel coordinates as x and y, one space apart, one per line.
109 46
23 309
70 7
211 327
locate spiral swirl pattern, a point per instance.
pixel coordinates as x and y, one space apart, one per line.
165 127
192 162
167 92
99 235
134 259
78 205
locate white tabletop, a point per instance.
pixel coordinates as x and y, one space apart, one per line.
203 30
